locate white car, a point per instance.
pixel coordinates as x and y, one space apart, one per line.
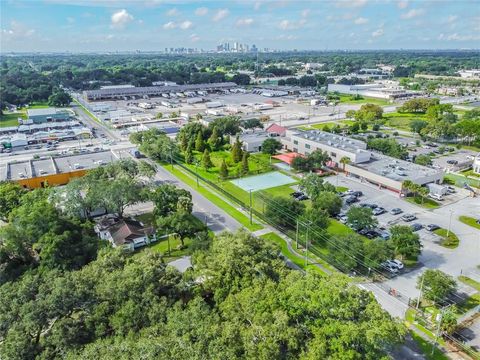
436 197
389 267
397 263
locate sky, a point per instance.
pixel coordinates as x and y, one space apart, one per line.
153 25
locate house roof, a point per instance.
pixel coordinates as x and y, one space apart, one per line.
274 128
126 230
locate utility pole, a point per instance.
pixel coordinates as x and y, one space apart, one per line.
421 291
196 171
306 248
250 206
296 237
437 333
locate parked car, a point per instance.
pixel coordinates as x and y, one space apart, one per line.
396 211
451 189
301 197
350 200
389 267
357 193
416 226
452 162
371 206
436 197
343 219
296 194
409 217
431 227
378 211
397 263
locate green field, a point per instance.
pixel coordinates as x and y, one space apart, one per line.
401 121
451 241
10 119
232 211
469 221
460 180
347 99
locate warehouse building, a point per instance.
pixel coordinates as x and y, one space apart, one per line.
382 170
53 171
39 116
379 91
143 92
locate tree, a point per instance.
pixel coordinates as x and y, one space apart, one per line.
206 161
241 79
317 218
237 151
252 124
345 160
168 199
245 168
318 158
376 252
449 320
361 218
423 159
346 251
328 201
59 98
283 211
314 185
301 163
189 155
215 141
156 144
405 242
388 147
436 285
159 115
417 125
227 125
188 134
223 170
369 113
146 169
181 223
199 143
350 114
10 196
270 146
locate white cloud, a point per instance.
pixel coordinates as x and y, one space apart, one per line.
173 12
458 37
220 14
244 22
402 4
286 37
452 19
291 25
351 3
412 14
194 38
185 25
201 11
257 5
360 21
378 33
70 20
305 13
169 25
17 31
120 19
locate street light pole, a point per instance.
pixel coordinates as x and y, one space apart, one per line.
306 248
296 237
421 291
250 206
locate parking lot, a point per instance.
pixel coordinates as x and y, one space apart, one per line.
452 261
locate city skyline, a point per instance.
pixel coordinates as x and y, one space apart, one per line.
151 25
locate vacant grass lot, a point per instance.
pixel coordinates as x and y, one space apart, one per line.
460 180
470 282
469 221
10 119
451 241
348 99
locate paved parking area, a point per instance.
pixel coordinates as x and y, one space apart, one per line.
465 257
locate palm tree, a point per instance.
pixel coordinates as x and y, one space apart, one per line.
344 161
407 185
423 191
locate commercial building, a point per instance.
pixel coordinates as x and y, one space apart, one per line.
252 142
476 164
372 90
53 171
143 92
38 116
375 168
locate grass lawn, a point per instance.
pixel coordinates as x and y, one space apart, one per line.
162 248
337 228
426 348
423 202
38 105
470 173
348 99
401 120
470 303
451 241
297 260
460 180
229 209
470 282
11 119
93 117
469 221
341 188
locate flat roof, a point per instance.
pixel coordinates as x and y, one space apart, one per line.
156 89
332 140
253 137
45 111
55 165
396 169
